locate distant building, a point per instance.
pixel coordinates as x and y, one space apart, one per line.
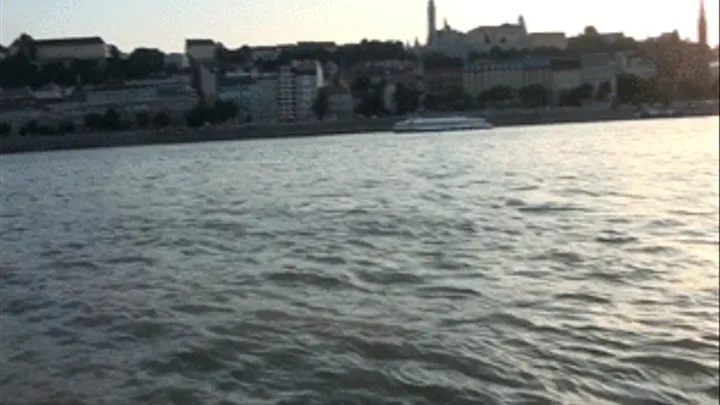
702 25
715 70
238 89
598 68
172 93
200 50
439 81
482 39
207 84
265 53
628 62
17 107
67 49
286 94
308 79
556 40
566 74
481 76
177 60
317 45
340 102
264 109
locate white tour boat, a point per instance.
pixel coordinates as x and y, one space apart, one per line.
457 123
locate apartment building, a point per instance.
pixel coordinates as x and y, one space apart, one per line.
566 74
286 94
598 68
440 81
629 62
254 94
305 92
481 76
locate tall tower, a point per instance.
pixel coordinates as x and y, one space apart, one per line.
702 25
432 30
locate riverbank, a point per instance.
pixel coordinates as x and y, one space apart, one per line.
228 133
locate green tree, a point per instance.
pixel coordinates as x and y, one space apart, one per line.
570 97
66 127
144 62
603 91
195 118
406 100
111 120
161 120
321 104
94 121
590 31
496 95
585 92
534 95
142 119
371 105
5 129
222 111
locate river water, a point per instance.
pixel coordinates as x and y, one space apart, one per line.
566 264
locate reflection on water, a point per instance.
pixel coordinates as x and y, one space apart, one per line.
568 264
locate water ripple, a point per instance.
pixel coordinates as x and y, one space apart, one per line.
370 269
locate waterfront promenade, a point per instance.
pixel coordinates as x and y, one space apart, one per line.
18 144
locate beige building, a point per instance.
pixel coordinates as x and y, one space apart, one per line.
556 40
566 74
598 68
200 50
67 49
482 39
438 81
482 76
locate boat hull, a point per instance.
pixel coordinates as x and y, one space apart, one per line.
412 129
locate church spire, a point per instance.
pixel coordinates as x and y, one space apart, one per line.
432 29
702 24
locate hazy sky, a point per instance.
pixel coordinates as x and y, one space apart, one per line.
166 23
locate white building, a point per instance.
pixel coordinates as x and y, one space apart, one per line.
308 79
286 94
305 92
630 63
153 95
200 50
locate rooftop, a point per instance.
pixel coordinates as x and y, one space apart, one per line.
199 42
69 41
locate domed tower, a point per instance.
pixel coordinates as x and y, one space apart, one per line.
521 23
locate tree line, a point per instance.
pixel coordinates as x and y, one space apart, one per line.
112 120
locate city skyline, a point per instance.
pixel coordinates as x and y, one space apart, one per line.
136 23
